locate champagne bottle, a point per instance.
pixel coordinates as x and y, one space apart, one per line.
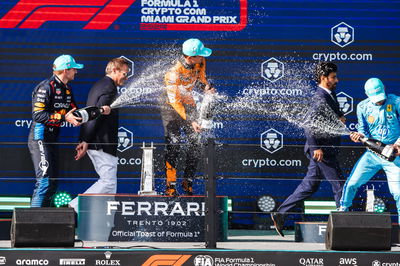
88 113
382 150
206 111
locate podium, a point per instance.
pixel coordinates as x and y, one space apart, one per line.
147 218
310 232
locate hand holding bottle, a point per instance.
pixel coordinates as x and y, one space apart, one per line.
106 110
72 118
196 127
210 89
355 136
396 147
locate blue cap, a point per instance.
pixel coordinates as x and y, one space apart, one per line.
65 62
194 47
375 90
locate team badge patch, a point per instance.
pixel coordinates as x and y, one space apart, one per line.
371 119
389 108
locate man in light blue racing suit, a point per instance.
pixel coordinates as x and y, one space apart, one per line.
378 118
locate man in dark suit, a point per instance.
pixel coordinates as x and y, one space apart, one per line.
321 146
97 135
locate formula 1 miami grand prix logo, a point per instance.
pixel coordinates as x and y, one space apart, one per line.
194 15
177 15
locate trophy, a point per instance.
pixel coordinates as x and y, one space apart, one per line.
206 111
147 174
370 199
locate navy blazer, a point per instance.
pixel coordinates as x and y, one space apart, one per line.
322 101
103 131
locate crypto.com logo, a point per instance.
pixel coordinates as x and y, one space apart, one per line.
376 263
271 140
345 103
29 14
272 69
125 139
167 260
342 34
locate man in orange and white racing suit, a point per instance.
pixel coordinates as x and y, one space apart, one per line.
179 114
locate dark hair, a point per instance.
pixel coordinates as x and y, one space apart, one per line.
324 69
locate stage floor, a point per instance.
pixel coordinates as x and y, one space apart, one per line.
237 240
243 248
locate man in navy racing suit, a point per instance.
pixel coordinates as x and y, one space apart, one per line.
52 104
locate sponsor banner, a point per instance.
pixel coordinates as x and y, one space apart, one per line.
182 15
131 257
342 35
193 15
139 218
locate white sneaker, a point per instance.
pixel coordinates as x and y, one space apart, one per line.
342 209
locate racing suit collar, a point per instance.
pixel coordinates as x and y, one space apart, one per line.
59 82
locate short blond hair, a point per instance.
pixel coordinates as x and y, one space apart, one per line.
117 63
57 72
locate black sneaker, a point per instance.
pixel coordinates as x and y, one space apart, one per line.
278 220
187 186
171 191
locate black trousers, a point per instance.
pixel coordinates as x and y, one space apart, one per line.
45 161
327 169
180 137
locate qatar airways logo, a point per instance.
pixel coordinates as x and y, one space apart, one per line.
100 14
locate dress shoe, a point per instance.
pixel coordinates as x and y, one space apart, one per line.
278 220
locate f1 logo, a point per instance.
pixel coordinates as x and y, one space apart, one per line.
31 14
171 260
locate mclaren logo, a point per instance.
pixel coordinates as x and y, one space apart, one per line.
167 260
28 14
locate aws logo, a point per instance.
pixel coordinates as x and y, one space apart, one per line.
170 260
100 14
